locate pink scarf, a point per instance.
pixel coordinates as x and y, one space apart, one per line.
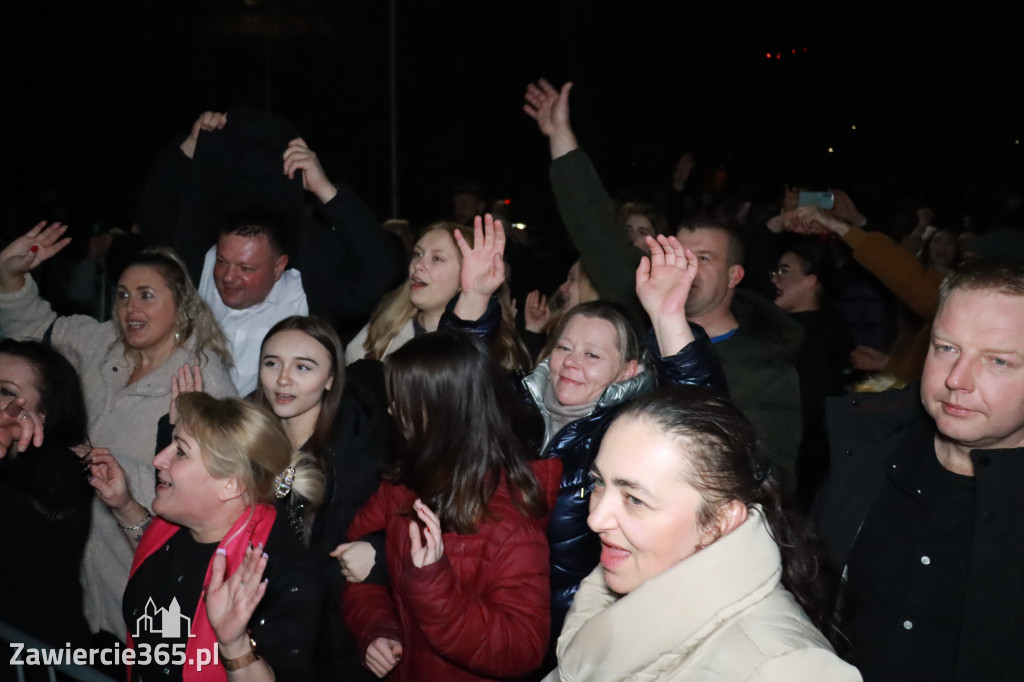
255 529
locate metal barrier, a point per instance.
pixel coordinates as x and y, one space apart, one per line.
81 673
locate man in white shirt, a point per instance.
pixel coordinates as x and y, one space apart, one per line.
249 287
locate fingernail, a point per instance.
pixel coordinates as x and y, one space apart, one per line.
265 556
222 551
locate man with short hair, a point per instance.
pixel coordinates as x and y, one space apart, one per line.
249 287
756 341
922 507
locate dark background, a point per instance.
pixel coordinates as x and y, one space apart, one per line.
92 89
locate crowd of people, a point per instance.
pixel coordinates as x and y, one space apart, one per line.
707 454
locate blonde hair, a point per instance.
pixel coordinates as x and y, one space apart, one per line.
239 440
396 309
192 318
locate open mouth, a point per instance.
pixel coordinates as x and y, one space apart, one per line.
612 555
283 398
417 283
134 324
162 484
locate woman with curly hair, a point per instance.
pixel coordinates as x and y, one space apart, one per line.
126 366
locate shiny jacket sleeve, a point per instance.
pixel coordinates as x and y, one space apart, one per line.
695 365
485 328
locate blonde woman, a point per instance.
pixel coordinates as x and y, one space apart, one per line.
126 366
219 549
415 308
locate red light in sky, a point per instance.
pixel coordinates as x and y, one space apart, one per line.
794 50
508 201
778 56
769 55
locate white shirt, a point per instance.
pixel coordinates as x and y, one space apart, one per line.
246 328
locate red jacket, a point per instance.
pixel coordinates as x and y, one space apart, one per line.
481 612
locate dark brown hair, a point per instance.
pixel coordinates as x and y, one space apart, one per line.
451 405
719 453
324 334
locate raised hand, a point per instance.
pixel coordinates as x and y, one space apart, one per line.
383 655
431 549
663 284
208 121
19 427
537 314
230 602
483 266
188 379
29 250
550 109
298 156
356 560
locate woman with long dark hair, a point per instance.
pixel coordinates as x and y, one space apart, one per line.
700 563
464 518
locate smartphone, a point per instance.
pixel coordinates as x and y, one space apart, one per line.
823 200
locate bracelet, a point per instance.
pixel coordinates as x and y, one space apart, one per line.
253 655
138 526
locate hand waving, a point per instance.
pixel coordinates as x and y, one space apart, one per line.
29 250
537 313
230 602
188 379
663 284
550 109
483 267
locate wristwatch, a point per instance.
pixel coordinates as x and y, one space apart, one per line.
233 664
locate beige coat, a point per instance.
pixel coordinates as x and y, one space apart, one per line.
719 615
122 419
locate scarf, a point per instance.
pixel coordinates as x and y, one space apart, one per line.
561 415
254 529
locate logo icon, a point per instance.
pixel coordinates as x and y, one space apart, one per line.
167 622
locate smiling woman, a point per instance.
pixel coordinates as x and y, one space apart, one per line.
126 366
698 560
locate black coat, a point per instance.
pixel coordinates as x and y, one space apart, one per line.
864 432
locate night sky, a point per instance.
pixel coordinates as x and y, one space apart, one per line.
93 89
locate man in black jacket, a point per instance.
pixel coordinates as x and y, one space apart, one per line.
923 508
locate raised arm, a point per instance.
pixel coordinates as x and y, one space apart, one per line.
550 109
663 284
28 251
348 261
583 202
